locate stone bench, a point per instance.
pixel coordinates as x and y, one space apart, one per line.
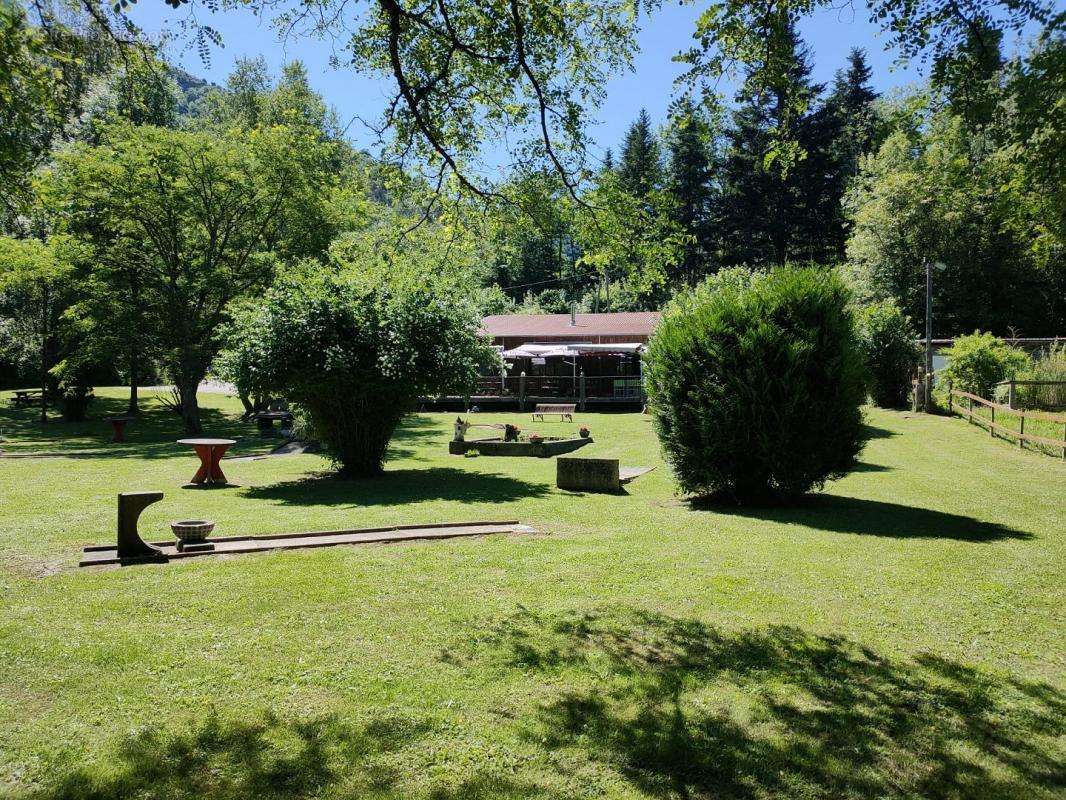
588 474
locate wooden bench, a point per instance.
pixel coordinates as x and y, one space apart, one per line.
564 410
27 397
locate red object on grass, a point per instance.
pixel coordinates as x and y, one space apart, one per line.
210 452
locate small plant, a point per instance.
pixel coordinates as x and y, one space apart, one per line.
535 438
584 432
976 363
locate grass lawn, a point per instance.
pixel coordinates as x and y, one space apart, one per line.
900 635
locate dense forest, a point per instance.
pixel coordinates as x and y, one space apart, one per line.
142 207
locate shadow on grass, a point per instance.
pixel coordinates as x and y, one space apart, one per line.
416 431
682 709
400 486
271 759
871 518
151 435
240 760
866 466
874 432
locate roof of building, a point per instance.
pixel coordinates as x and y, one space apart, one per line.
537 326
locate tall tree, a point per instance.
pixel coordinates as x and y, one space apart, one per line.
34 282
850 122
640 169
690 189
202 212
773 194
967 76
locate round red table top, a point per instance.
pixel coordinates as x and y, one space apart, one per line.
206 442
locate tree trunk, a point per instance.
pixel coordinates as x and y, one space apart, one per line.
190 410
135 377
44 352
357 432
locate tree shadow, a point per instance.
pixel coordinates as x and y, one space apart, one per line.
274 759
268 758
874 432
683 709
414 432
857 515
400 486
151 435
866 466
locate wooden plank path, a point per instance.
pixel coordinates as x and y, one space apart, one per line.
100 555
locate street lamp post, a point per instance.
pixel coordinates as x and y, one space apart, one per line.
940 267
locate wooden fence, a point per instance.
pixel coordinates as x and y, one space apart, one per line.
1046 395
993 427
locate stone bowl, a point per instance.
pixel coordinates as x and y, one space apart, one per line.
192 530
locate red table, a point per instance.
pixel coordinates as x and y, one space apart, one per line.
210 452
119 424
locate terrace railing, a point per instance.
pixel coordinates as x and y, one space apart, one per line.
579 387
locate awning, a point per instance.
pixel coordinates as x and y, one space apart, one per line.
533 350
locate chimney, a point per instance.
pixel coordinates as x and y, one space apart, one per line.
573 313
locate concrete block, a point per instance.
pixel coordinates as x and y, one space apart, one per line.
588 474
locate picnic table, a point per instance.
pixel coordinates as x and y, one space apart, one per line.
210 452
265 420
119 426
275 410
27 397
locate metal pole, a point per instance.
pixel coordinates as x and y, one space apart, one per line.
928 333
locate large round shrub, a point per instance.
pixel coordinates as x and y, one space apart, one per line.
976 363
890 351
756 386
356 351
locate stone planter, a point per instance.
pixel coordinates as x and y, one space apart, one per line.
497 447
192 532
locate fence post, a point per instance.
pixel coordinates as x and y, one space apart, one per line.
951 405
969 410
581 401
521 391
992 423
1010 394
1021 431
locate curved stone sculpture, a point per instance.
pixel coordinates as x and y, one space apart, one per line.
131 547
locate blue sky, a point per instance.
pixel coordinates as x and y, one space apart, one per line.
829 33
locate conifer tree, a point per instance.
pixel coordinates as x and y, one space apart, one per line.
855 131
690 188
640 165
759 207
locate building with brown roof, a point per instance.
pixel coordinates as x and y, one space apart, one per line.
514 330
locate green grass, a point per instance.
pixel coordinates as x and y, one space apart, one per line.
899 635
1055 431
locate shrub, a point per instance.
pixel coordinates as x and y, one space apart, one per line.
355 351
976 363
1050 371
889 350
756 386
73 390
